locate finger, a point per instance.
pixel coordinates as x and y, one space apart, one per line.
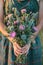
26 47
19 51
27 53
16 44
16 49
15 54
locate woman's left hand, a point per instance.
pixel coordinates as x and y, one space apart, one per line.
25 49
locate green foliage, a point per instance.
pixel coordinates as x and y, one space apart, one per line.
22 24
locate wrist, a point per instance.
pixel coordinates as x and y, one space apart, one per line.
39 27
10 39
3 31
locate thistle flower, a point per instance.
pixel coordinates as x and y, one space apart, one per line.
16 22
23 37
23 11
22 27
13 34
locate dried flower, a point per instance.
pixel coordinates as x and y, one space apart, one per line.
23 11
13 34
21 27
8 23
16 22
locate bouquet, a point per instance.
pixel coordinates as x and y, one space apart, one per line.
20 25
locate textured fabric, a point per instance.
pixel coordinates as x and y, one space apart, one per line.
7 56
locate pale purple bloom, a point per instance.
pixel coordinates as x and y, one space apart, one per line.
23 11
35 28
21 27
8 23
16 22
13 34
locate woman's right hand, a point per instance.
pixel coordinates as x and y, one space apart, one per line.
17 49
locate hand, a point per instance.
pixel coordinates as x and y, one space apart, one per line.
17 49
3 28
25 49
